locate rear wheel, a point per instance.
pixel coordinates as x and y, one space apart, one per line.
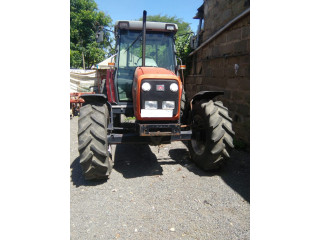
212 134
95 159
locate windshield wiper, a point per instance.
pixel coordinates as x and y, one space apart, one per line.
134 41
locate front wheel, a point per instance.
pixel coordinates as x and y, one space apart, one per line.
95 159
212 134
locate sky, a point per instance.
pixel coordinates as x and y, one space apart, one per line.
132 10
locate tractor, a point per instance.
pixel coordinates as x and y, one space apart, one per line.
144 85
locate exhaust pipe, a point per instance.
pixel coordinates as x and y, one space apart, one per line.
144 38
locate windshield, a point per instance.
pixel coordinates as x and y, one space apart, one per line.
159 53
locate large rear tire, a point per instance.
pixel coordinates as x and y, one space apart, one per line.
95 158
212 134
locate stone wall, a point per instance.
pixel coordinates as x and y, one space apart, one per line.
224 64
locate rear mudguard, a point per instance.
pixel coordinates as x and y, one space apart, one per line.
97 98
208 95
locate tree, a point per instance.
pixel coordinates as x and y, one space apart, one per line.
85 22
182 36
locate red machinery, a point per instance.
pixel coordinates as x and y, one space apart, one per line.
76 102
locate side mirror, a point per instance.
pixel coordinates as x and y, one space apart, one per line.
99 36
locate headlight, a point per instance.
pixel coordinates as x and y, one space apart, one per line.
174 87
146 86
168 105
151 105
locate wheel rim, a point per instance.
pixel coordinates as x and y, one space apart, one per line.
198 138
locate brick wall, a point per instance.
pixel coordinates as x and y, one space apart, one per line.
213 65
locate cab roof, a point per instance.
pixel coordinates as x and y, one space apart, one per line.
151 26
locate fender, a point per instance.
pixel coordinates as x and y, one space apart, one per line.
208 95
89 98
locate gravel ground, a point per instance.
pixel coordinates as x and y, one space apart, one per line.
158 193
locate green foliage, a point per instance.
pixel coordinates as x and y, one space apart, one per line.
84 22
182 37
75 58
183 27
95 54
183 50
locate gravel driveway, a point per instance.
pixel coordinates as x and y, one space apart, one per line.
157 193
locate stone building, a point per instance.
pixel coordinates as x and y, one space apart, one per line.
221 59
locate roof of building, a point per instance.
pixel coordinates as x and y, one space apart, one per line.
200 13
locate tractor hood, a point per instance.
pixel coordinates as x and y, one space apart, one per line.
159 80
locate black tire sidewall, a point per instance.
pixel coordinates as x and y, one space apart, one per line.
201 159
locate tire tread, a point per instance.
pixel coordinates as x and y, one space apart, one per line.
95 159
219 134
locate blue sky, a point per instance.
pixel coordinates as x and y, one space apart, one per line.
132 10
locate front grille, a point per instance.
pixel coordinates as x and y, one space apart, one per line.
159 96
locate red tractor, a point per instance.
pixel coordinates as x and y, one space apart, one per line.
145 85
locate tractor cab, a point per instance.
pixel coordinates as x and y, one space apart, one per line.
159 52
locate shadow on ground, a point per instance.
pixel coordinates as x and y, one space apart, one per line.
235 172
78 179
131 160
182 157
136 160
